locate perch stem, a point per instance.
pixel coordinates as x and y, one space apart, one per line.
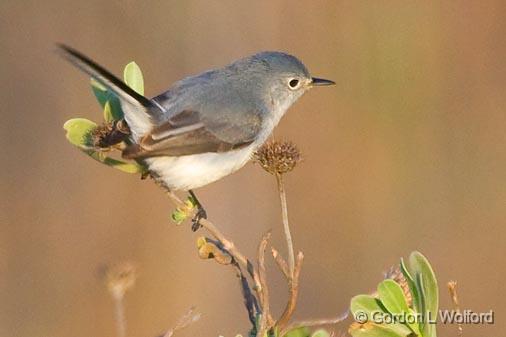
266 320
280 262
120 315
293 283
286 227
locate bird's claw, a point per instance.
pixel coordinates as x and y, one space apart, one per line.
201 214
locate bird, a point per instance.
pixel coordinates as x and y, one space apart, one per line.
206 126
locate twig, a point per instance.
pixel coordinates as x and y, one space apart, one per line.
294 292
286 227
315 322
238 259
280 262
266 320
174 198
250 300
452 287
190 317
120 316
213 249
227 245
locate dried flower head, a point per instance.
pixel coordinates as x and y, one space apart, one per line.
120 278
109 134
277 157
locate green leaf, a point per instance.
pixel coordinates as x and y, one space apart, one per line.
321 333
375 330
115 163
365 307
426 284
105 96
180 214
299 332
133 77
78 134
366 304
412 286
108 116
420 265
392 297
78 131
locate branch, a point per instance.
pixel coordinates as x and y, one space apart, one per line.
314 322
190 317
294 292
286 227
280 262
266 319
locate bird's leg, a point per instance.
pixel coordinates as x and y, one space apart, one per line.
201 212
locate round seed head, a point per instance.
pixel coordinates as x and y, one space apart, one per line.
278 157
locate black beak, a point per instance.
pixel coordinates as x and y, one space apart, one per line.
320 81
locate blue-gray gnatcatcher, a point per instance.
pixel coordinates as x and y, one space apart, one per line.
206 126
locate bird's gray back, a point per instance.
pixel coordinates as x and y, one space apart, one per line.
232 101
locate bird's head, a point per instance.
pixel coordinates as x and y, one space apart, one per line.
283 77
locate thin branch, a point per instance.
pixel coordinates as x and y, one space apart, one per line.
238 259
120 316
174 198
314 322
266 319
190 317
286 227
294 292
227 245
280 262
250 300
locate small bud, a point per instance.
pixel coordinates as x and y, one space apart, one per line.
208 250
278 157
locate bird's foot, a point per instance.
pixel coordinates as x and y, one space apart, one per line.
200 214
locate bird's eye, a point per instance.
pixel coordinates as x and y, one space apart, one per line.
294 83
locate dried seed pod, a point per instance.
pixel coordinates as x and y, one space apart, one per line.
278 157
109 134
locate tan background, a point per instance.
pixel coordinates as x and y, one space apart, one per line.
406 152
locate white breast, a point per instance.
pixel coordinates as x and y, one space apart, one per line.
189 172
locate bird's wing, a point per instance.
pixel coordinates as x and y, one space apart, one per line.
188 132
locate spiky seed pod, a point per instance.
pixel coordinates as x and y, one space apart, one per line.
277 157
109 134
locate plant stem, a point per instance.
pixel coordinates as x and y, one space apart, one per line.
120 315
286 227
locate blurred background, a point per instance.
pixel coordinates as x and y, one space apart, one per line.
406 153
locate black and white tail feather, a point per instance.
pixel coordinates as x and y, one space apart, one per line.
137 108
183 133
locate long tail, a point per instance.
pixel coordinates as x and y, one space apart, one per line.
136 107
